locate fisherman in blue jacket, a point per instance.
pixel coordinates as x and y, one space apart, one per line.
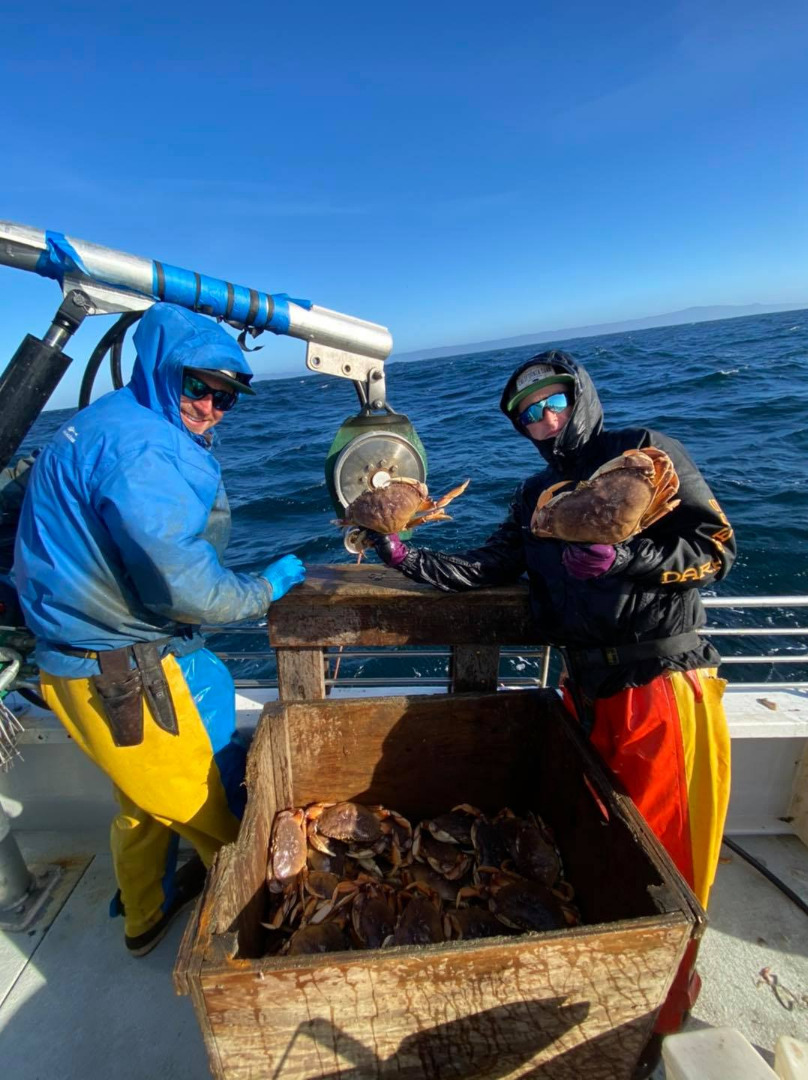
118 563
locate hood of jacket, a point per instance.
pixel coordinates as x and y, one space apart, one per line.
586 418
169 338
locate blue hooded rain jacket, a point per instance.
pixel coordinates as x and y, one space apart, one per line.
126 520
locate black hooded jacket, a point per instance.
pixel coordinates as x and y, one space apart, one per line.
651 590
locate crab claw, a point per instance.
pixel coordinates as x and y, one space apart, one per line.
447 498
545 497
432 511
549 492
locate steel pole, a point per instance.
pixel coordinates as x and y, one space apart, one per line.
16 880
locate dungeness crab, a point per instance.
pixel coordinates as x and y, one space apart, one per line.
622 498
343 876
398 506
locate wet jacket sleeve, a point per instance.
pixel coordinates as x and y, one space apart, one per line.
499 561
157 521
694 545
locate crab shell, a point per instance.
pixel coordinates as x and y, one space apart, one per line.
622 498
421 921
288 849
320 938
529 905
400 505
350 822
472 922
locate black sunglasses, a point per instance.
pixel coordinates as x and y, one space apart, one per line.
196 389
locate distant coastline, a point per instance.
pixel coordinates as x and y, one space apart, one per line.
671 318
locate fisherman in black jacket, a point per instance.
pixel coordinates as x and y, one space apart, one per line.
639 677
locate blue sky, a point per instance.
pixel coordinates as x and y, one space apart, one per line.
454 171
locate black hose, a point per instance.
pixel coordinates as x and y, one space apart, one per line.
32 696
113 339
115 363
773 878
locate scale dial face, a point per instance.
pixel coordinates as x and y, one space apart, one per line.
371 460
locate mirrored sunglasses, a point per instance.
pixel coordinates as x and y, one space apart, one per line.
196 389
535 412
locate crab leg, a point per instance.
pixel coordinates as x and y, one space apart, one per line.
447 498
430 510
434 515
666 484
548 494
660 512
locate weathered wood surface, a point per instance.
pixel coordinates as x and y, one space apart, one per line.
474 667
301 674
574 1005
235 896
351 604
416 754
425 753
189 954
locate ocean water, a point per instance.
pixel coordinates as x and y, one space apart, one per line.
734 391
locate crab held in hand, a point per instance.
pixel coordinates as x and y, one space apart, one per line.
622 498
398 506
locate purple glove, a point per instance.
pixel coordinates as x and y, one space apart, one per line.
389 547
585 561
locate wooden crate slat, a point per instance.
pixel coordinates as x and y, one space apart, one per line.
360 605
474 667
585 1003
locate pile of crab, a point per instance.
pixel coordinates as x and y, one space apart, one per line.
344 875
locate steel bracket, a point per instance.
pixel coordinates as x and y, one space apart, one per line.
106 299
367 372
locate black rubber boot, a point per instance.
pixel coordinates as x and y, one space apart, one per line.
189 880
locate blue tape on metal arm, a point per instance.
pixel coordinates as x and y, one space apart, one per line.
307 304
238 304
59 258
281 321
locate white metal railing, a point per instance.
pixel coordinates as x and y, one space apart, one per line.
539 658
778 604
520 665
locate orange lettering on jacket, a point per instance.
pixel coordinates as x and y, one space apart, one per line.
720 537
692 573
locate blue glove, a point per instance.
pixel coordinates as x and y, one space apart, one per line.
283 574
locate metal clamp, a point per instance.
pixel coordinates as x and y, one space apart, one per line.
366 371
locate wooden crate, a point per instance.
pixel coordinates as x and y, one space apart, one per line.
349 604
578 1002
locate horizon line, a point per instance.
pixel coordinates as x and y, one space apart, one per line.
603 329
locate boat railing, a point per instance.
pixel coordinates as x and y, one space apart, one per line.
769 624
794 652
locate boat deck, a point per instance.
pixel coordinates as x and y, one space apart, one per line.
74 1004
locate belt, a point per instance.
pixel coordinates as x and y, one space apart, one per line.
616 655
129 675
92 654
